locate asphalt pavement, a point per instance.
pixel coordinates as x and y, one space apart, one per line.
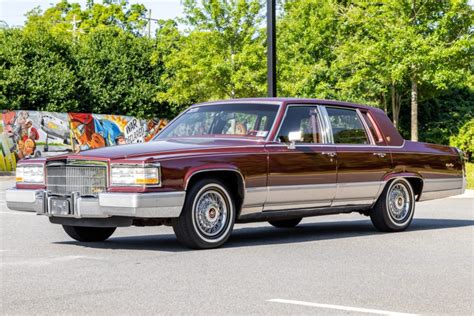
327 265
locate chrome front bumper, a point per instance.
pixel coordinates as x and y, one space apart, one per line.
138 205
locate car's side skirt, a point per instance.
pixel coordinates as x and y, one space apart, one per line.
317 196
292 213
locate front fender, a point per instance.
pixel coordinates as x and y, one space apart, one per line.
210 168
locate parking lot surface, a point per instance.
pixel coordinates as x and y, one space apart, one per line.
327 265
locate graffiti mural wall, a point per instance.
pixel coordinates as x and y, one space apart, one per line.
39 134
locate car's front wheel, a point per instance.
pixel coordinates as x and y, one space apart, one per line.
208 215
89 234
394 209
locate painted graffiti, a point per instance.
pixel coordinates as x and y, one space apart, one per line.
35 134
134 132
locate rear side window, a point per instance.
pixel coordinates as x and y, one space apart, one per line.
377 136
347 127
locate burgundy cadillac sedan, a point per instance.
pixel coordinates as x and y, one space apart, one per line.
220 163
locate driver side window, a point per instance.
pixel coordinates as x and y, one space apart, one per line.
304 119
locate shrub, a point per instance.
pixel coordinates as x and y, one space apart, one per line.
465 139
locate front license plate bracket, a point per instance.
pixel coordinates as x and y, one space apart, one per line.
61 207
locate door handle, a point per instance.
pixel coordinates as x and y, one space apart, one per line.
381 155
329 153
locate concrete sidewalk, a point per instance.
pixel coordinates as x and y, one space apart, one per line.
469 194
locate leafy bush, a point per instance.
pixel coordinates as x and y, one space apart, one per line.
470 175
465 139
442 115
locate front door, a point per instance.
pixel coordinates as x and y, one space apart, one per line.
303 176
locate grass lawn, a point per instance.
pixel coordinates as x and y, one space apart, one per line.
470 175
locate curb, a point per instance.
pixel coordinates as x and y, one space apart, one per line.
468 194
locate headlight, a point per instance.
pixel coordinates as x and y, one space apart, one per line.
30 174
135 175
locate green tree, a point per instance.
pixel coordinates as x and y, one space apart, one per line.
394 54
37 72
71 19
400 46
365 68
444 114
115 73
437 37
307 32
221 55
391 52
103 65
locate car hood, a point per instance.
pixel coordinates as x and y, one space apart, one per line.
162 147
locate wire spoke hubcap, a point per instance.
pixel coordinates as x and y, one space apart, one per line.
399 202
211 211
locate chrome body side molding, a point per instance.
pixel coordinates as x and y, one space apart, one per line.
362 194
253 200
357 192
441 188
299 196
317 196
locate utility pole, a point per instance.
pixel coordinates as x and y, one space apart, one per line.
74 23
271 49
150 19
149 23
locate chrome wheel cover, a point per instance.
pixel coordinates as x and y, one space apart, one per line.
210 213
399 203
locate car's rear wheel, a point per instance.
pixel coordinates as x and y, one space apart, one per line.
394 209
286 223
89 234
208 215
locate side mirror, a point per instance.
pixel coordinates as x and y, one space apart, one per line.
294 137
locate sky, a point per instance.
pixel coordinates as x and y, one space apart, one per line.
13 11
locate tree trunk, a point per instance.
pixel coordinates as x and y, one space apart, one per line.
414 110
384 102
414 86
395 106
232 63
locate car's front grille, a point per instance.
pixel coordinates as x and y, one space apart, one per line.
87 180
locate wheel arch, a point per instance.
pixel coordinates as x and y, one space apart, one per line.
231 177
414 179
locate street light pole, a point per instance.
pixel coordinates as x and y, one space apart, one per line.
149 23
271 49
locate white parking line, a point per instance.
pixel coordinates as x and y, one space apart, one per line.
339 307
47 261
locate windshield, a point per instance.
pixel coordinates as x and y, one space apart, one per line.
251 120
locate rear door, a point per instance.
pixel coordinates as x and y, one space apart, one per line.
361 163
